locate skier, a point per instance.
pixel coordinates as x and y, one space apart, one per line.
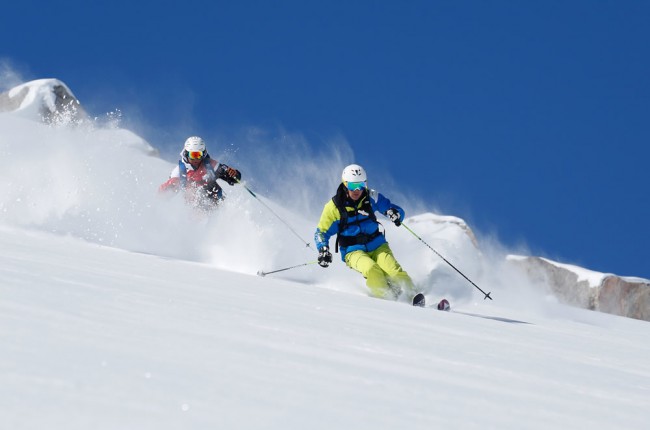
197 174
350 214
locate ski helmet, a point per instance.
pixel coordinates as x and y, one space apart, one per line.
354 177
194 149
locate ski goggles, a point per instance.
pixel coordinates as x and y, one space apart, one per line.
355 186
195 155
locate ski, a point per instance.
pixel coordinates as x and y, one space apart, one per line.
443 305
419 300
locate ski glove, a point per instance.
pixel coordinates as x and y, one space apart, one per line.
213 190
228 174
233 176
393 215
232 172
324 256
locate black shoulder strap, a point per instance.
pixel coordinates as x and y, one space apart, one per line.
339 202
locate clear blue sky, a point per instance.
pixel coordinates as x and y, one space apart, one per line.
530 119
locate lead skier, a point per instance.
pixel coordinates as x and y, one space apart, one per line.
350 215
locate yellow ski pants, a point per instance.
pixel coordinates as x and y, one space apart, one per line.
384 276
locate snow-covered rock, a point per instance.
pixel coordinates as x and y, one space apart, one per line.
48 100
576 286
51 101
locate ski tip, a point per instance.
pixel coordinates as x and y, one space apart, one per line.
443 305
487 296
419 300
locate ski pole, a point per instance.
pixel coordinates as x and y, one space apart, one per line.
263 273
271 210
487 295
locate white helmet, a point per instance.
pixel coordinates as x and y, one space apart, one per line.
354 173
193 144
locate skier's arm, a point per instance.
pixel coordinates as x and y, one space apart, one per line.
171 184
380 203
327 226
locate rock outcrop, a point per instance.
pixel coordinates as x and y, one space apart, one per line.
50 100
624 296
628 297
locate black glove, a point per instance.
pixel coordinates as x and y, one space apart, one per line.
393 215
233 173
228 174
324 256
213 190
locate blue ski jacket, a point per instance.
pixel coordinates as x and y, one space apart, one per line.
354 222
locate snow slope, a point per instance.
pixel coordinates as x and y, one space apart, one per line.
123 310
97 337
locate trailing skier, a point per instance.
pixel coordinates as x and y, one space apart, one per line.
196 176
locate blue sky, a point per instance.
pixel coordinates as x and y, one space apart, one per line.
528 119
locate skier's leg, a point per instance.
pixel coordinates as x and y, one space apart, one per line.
396 275
375 277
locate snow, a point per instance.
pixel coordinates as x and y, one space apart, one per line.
101 337
120 309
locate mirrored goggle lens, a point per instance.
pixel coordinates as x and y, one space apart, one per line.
195 155
354 186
